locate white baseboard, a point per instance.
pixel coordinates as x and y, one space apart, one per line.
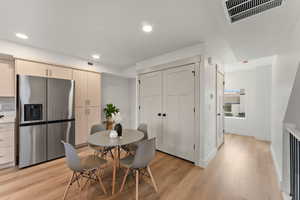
279 178
204 163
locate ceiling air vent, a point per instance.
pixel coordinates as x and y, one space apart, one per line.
240 9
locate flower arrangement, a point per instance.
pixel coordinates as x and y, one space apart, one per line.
112 114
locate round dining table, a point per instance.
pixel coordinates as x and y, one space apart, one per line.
102 139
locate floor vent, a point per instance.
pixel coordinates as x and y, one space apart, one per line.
240 9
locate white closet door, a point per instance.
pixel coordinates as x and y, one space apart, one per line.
151 104
178 105
220 110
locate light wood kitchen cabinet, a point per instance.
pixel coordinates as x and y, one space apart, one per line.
80 78
7 80
87 103
87 87
93 116
85 119
60 72
24 67
80 126
31 68
6 145
93 89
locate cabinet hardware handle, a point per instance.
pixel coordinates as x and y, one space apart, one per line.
159 114
164 115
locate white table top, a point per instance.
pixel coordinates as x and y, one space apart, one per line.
128 136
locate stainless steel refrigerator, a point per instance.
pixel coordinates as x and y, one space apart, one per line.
45 117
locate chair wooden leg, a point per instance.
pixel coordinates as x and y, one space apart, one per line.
87 181
68 186
100 181
124 180
137 185
152 179
77 180
114 172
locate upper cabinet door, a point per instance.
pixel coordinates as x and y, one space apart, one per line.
60 72
31 68
80 78
7 80
94 87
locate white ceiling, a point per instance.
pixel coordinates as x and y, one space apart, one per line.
113 28
250 64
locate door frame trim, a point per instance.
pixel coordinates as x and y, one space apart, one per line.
198 61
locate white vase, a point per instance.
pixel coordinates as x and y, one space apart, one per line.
113 134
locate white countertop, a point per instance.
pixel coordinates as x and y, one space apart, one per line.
9 117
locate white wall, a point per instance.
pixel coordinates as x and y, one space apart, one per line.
208 117
283 75
31 53
118 91
257 85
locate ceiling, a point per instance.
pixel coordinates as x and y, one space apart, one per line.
250 64
113 28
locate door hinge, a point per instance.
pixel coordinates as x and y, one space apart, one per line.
139 81
194 110
194 73
139 107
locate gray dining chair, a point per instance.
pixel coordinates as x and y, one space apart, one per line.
145 153
102 151
90 167
131 148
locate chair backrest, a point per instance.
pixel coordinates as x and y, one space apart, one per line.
72 158
144 128
144 154
97 128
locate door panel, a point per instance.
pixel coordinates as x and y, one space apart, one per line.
7 80
32 90
32 147
178 105
151 104
56 132
93 117
81 126
60 99
80 78
60 72
220 110
93 89
31 68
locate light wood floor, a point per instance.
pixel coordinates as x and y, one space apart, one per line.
242 170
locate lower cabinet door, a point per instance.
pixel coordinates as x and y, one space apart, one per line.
32 145
93 117
81 130
57 132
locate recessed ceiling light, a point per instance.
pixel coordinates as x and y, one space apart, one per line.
96 56
147 28
22 36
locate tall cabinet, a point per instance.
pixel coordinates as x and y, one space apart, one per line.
87 103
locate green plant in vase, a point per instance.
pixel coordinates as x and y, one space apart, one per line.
110 110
